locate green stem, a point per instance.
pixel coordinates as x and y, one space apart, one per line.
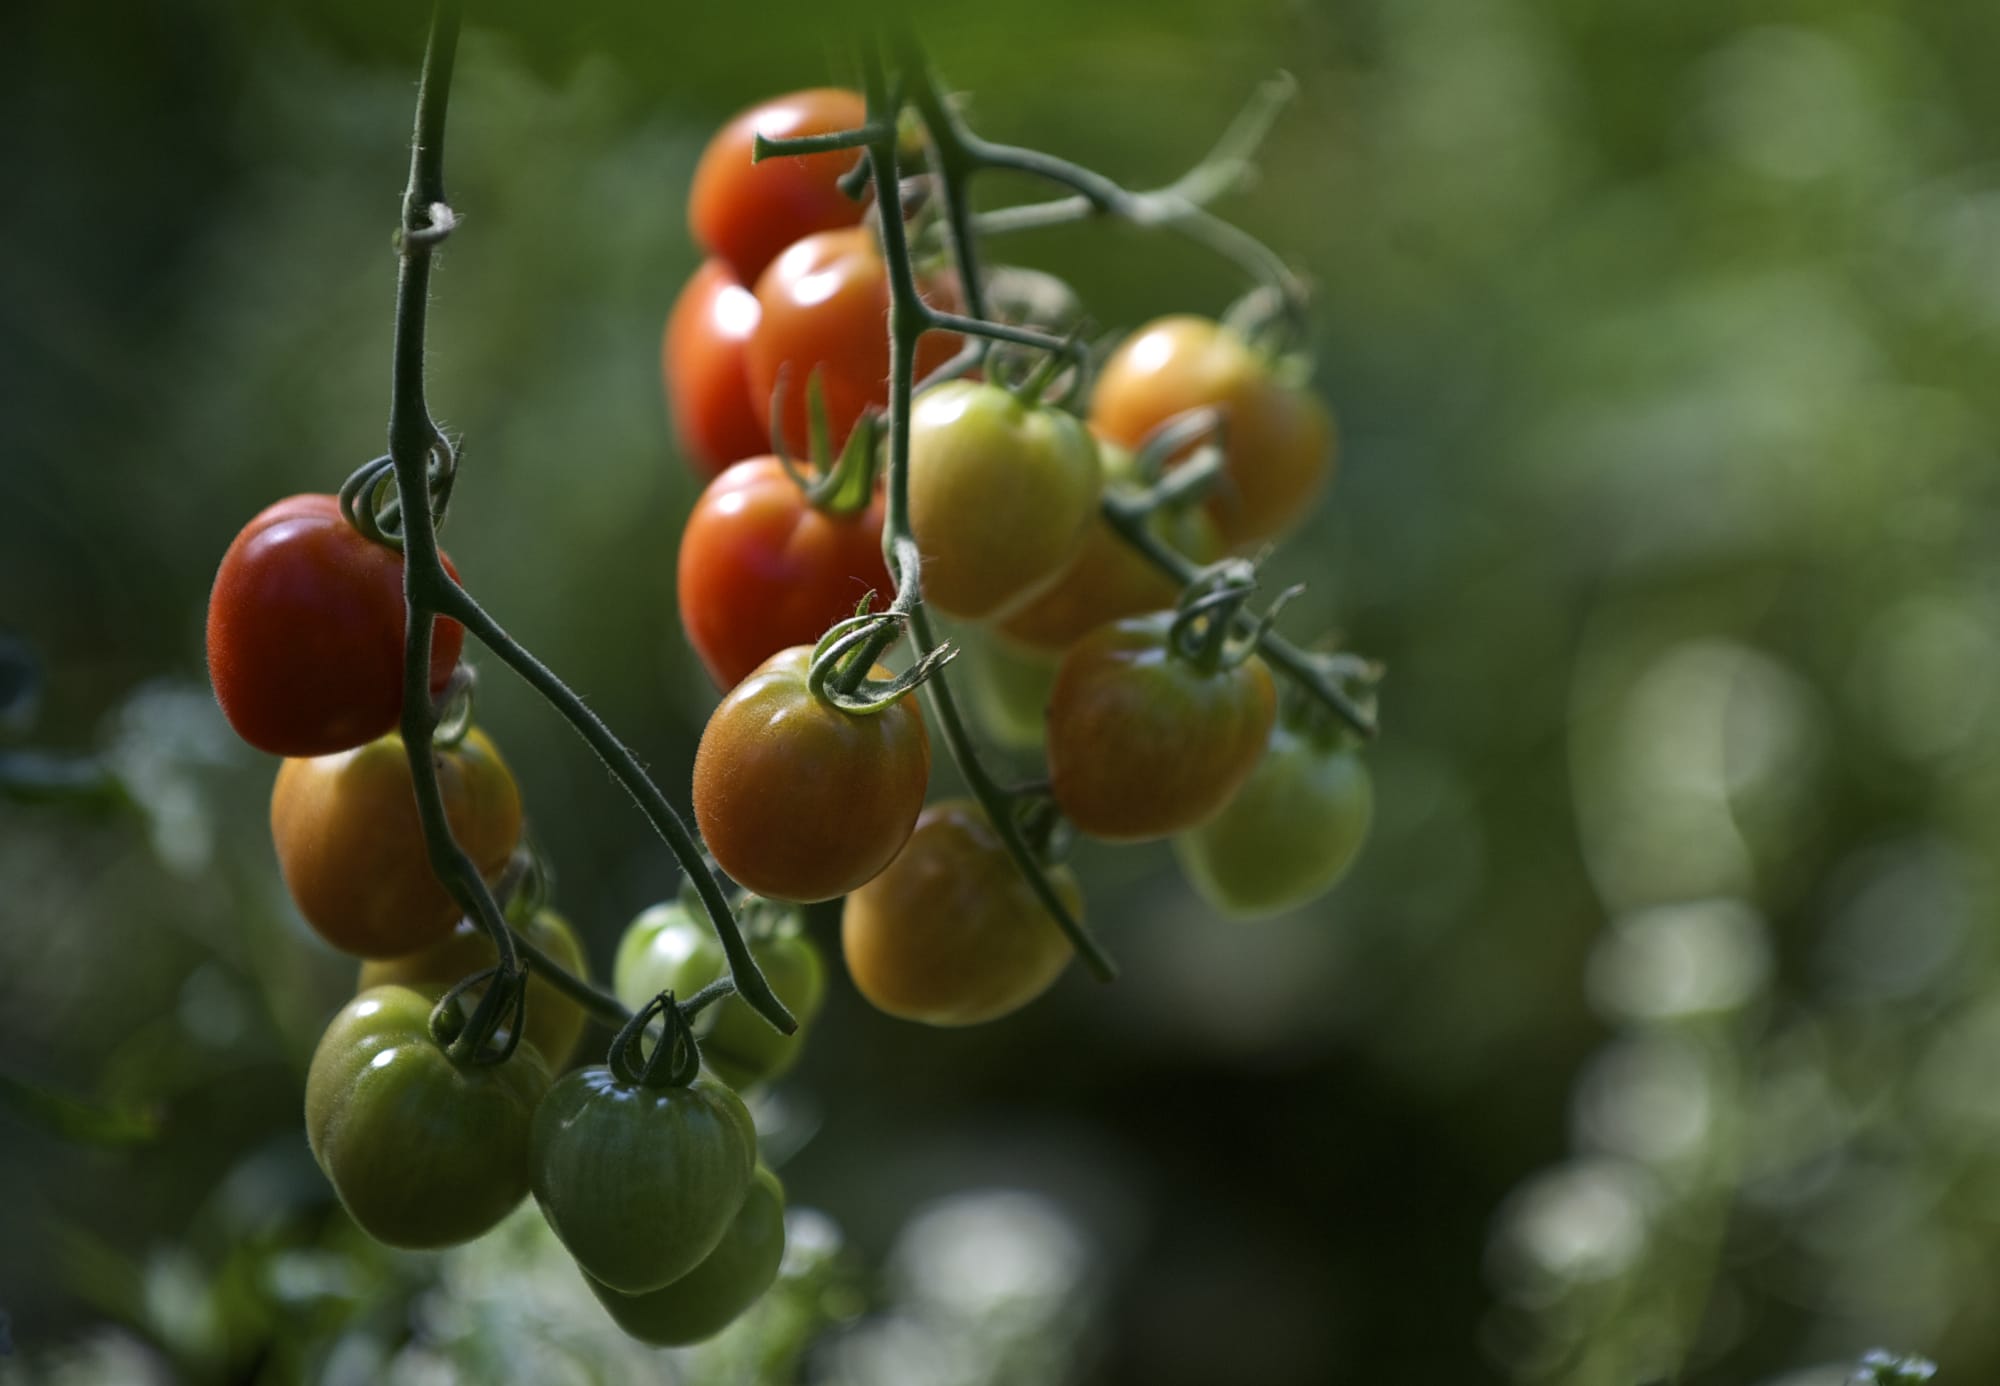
605 1007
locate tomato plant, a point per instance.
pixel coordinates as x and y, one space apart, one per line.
800 800
745 213
351 847
1278 438
701 360
305 632
1002 495
423 1150
762 568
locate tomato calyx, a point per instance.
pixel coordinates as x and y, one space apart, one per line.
1306 714
1203 626
674 1061
499 1015
452 707
847 486
371 499
842 660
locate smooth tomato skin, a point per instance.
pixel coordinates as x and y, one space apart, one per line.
1290 833
951 933
761 569
1009 687
351 846
665 949
708 1298
1109 580
639 1183
554 1023
701 361
1002 496
423 1151
305 632
744 213
824 305
800 801
1278 447
1142 744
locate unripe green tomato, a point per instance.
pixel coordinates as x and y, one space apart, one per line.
708 1298
423 1151
1290 833
1009 687
554 1022
640 1183
666 949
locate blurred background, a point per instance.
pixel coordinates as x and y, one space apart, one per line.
1655 1036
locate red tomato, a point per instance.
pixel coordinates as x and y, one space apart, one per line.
701 359
761 569
305 632
825 307
745 213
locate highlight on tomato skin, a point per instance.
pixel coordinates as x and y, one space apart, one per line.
743 212
715 420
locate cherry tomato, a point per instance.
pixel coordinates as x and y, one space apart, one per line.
305 632
1002 496
1278 444
665 949
745 213
1142 742
799 800
762 569
1008 687
701 360
825 306
554 1022
952 933
1290 833
708 1298
351 847
640 1183
1109 579
423 1151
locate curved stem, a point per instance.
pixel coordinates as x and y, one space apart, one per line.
605 1007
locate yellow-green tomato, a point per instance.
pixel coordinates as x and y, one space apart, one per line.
1290 833
424 1151
708 1298
1002 495
1008 687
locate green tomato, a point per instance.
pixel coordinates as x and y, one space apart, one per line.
704 1301
1290 833
423 1151
640 1182
667 949
1009 688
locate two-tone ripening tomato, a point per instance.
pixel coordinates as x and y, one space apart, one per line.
800 800
744 213
351 846
305 632
1278 439
1146 740
1002 495
762 568
701 360
423 1150
704 1301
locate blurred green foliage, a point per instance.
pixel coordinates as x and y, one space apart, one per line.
1653 1038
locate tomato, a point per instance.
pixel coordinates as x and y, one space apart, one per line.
424 1151
799 800
666 949
1109 579
824 305
1290 833
1278 445
554 1023
640 1183
761 568
701 360
745 213
708 1298
351 847
1008 689
1142 742
305 632
952 933
1002 495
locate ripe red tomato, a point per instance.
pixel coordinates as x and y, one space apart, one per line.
701 360
825 307
762 569
305 632
1278 448
1143 743
799 800
745 213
